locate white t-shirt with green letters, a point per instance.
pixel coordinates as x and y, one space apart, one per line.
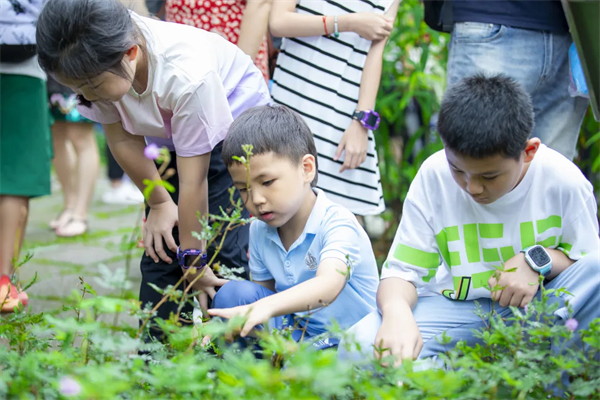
450 245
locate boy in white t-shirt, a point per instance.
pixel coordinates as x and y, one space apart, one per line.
492 197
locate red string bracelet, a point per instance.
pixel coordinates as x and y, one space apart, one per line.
325 25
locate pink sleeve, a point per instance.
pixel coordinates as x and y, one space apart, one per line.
201 118
101 112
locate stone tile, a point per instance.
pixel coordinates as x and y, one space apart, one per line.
75 253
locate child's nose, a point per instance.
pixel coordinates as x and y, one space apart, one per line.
474 187
257 197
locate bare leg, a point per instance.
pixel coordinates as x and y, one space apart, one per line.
14 211
64 165
81 135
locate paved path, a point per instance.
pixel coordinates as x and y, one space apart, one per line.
96 257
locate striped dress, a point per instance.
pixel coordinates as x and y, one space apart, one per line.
319 77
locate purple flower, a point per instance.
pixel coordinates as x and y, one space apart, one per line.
572 324
69 386
152 151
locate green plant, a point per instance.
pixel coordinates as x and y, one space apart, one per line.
413 80
85 356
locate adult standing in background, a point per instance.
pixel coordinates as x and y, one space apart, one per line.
328 70
528 41
25 144
76 160
242 22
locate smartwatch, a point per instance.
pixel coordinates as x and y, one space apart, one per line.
368 118
187 257
538 259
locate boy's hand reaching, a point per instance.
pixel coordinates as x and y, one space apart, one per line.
518 281
399 337
255 313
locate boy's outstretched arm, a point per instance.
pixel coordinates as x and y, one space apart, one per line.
399 335
314 293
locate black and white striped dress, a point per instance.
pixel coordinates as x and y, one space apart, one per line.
319 77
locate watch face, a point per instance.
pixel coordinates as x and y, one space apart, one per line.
372 119
188 260
539 256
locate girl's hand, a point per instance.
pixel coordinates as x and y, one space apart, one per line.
354 144
159 225
207 284
369 25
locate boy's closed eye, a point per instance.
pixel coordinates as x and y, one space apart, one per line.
269 182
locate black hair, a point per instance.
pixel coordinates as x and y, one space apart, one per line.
482 116
80 39
274 129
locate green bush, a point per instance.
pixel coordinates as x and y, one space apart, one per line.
87 355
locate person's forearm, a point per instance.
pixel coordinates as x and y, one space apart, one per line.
308 295
371 76
254 26
128 151
193 198
285 22
560 262
396 297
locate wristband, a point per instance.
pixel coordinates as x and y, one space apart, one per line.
325 25
187 257
336 33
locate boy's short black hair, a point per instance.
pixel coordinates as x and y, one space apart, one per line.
274 129
482 116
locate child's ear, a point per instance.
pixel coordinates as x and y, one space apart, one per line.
133 52
531 147
309 166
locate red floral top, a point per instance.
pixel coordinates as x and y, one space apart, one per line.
219 16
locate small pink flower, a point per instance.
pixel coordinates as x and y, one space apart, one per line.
69 386
527 307
572 324
152 151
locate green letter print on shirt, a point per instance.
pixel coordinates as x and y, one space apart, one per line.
473 235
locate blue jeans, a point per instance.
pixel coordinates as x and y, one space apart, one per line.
239 293
538 61
436 314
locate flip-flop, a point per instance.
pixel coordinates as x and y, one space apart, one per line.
61 219
10 297
63 230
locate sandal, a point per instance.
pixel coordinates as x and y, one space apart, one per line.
10 297
62 218
74 227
